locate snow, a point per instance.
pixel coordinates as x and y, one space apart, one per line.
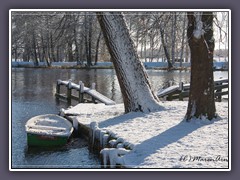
161 139
49 124
198 31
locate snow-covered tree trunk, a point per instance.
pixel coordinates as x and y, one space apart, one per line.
133 80
201 43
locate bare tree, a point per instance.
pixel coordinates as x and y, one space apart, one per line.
75 36
133 80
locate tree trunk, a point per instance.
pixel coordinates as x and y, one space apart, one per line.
145 49
200 38
70 53
165 48
89 60
77 55
183 39
151 46
34 48
174 21
15 53
97 47
88 38
133 80
53 59
187 54
81 54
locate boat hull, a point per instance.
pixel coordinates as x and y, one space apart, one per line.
45 140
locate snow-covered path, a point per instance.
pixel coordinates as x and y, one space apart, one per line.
163 139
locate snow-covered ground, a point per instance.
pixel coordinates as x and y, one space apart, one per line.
163 139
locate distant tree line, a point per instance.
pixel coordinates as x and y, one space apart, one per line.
77 37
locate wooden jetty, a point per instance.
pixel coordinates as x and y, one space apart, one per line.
182 90
96 96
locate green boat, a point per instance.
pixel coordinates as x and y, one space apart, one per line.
48 130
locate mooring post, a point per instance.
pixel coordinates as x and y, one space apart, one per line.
93 87
69 91
58 88
81 92
57 94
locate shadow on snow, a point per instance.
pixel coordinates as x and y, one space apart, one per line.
166 138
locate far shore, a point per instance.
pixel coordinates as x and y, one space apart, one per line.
218 66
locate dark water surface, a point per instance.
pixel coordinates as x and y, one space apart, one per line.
33 93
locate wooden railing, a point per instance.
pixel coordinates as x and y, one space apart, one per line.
82 90
182 91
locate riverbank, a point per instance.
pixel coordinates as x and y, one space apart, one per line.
156 140
218 66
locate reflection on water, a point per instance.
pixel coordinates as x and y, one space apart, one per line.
33 93
73 155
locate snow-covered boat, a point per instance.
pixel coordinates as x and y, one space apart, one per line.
48 130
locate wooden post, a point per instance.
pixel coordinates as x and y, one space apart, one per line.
93 87
69 91
57 94
58 88
219 97
169 97
181 90
180 86
81 92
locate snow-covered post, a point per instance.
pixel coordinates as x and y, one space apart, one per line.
92 135
81 91
69 91
75 125
104 156
97 141
105 140
113 157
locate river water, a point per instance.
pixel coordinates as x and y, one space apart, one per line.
33 93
